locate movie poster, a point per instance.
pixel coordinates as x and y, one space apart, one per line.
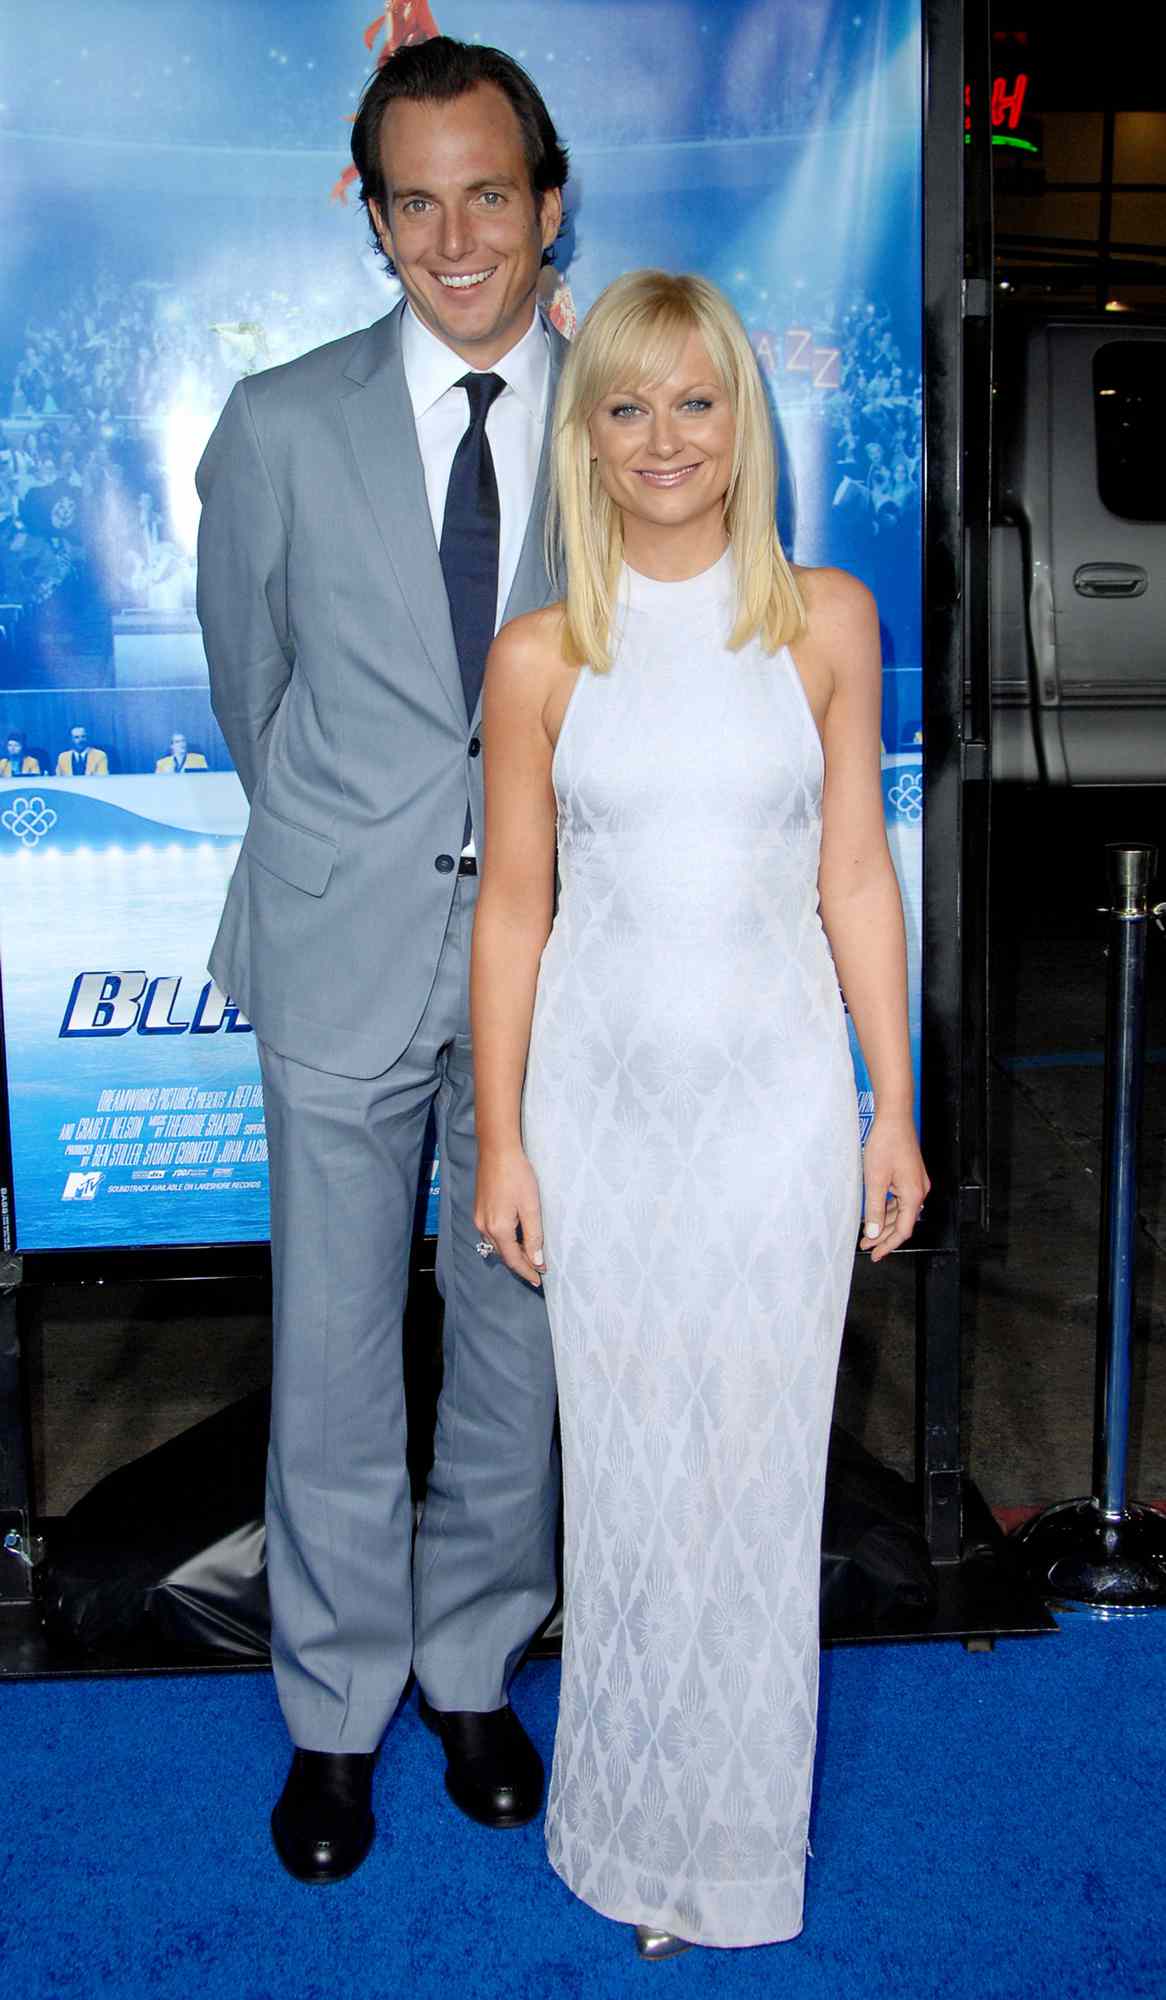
176 213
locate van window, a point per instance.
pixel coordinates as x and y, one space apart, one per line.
1129 404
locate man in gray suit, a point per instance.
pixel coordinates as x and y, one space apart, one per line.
371 512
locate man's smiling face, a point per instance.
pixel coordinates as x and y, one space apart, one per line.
460 221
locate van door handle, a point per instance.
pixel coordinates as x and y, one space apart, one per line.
1110 580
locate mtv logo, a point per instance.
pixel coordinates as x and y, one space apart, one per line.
81 1187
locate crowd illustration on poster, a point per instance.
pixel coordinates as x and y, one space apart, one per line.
201 225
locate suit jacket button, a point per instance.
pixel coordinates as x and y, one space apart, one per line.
444 864
475 745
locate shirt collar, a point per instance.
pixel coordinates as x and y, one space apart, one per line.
431 368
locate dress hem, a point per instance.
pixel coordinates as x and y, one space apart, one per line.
654 1921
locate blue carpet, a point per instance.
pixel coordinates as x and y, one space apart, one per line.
986 1825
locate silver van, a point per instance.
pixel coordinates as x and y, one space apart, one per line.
1079 551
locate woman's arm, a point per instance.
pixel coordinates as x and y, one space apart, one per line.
512 924
859 895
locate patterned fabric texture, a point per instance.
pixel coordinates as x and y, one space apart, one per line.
690 1112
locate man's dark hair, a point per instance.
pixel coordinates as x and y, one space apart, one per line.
436 72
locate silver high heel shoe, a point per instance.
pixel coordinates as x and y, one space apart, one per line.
659 1944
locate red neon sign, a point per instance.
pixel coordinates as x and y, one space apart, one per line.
1007 103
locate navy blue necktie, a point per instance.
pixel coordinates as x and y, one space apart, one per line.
469 539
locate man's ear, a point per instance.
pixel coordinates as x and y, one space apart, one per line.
550 216
381 227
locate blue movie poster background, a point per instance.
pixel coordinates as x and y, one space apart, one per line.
175 215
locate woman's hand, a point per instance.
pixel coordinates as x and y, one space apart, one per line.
507 1212
896 1181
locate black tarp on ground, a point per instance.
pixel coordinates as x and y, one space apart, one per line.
164 1558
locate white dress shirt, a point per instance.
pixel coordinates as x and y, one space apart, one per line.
514 427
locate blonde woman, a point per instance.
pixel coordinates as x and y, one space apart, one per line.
668 1131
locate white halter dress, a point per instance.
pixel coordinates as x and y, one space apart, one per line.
690 1113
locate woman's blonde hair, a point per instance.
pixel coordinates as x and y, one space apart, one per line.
632 337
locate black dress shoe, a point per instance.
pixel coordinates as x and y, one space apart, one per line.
492 1769
323 1824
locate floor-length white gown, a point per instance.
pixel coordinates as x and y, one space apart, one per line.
690 1112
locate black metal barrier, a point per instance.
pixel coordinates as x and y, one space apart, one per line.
18 1545
1106 1552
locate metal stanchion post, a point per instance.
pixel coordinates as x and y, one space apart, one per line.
1106 1551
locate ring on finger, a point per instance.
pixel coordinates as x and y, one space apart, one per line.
484 1247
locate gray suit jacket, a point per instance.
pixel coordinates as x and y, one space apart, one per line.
335 680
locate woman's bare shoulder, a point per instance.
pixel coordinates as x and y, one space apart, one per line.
839 650
527 655
534 637
837 605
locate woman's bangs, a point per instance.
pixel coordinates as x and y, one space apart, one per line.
642 350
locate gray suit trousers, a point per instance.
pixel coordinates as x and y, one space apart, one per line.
354 1603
